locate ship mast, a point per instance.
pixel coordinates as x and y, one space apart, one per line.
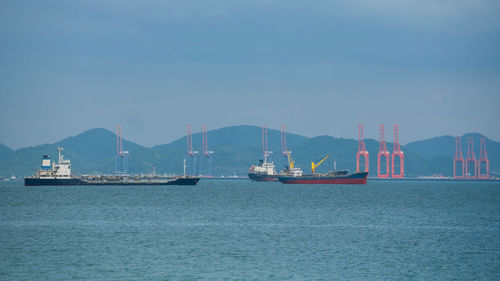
61 157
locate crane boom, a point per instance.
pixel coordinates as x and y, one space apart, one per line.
314 166
290 160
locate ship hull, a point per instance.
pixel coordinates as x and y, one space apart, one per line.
177 181
356 178
42 181
263 177
77 181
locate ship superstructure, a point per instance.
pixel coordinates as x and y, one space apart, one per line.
264 171
53 170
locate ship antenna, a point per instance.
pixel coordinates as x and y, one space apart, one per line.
61 157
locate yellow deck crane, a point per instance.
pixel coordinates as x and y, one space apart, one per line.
314 166
290 160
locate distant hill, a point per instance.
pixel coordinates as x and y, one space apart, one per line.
434 147
236 149
4 151
243 136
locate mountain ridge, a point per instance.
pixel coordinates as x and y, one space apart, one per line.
5 151
236 149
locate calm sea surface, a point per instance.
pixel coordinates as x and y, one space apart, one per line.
251 231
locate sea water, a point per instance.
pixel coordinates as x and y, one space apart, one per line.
237 229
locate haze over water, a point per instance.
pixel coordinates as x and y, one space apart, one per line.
320 67
244 230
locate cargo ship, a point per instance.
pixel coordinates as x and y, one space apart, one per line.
334 177
52 173
296 176
264 171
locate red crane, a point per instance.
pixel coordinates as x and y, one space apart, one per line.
207 154
459 158
483 158
383 153
471 158
362 152
397 152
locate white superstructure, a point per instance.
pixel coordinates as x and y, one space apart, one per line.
294 172
52 170
264 167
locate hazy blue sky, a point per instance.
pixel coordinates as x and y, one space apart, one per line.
320 67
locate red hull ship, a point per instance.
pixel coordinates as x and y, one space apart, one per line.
338 177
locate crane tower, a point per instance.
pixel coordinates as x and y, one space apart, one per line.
483 158
121 158
458 159
190 153
383 153
397 152
265 149
284 149
470 171
207 154
362 152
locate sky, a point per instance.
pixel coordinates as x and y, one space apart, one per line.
319 67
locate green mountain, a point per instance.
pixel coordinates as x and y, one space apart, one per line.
4 151
235 150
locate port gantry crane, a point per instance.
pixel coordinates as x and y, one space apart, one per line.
284 148
121 155
382 154
190 153
483 159
265 149
362 152
458 159
470 172
397 153
207 154
314 166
